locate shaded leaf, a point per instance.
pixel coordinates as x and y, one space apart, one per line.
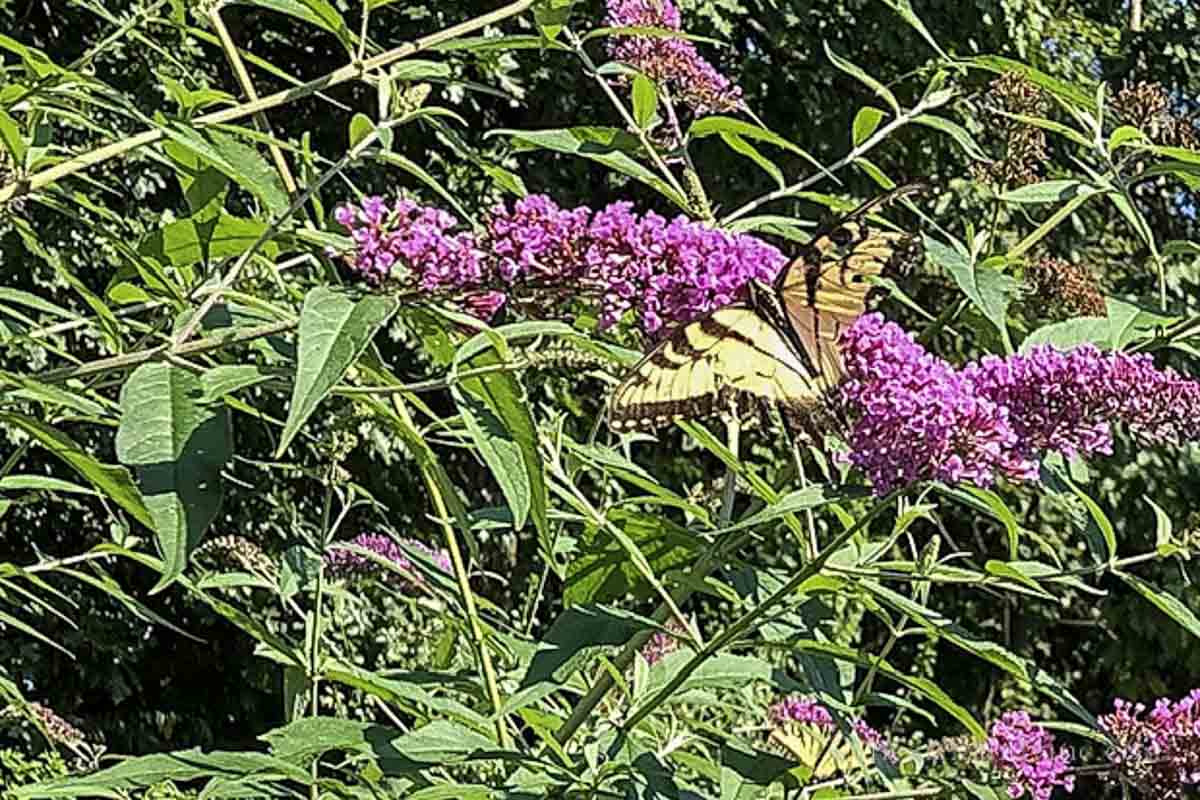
177 445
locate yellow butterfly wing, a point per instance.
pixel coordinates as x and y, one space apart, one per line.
824 290
826 753
710 367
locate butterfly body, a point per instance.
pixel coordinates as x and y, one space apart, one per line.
778 346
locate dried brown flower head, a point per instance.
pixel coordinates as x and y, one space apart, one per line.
1147 106
59 730
1024 145
1065 289
236 551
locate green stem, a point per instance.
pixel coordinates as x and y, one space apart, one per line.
247 85
707 563
45 177
464 587
651 150
856 153
745 622
314 636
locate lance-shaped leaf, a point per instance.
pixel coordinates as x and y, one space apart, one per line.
114 481
334 331
176 444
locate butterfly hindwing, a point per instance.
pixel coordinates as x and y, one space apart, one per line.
711 367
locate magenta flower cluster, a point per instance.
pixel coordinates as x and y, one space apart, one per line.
349 565
388 237
802 710
664 271
806 711
1025 755
1159 752
669 61
915 417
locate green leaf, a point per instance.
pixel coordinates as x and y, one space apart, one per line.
1170 605
40 483
452 791
1122 136
551 16
360 128
177 445
574 637
1050 192
601 570
905 10
988 289
722 671
304 739
229 378
184 765
1070 333
505 399
645 101
607 146
957 132
866 122
202 239
10 137
204 187
739 145
1128 323
498 420
715 125
112 480
334 331
793 502
237 160
315 12
442 742
859 74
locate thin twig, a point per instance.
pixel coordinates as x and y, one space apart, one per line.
858 152
247 85
131 360
349 72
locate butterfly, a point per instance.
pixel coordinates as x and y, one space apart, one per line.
780 346
826 753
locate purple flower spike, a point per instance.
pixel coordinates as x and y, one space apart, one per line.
1158 753
348 565
1024 753
914 417
674 62
800 709
666 272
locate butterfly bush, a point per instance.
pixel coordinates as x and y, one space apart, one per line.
915 417
348 565
1159 752
672 62
664 271
1025 755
